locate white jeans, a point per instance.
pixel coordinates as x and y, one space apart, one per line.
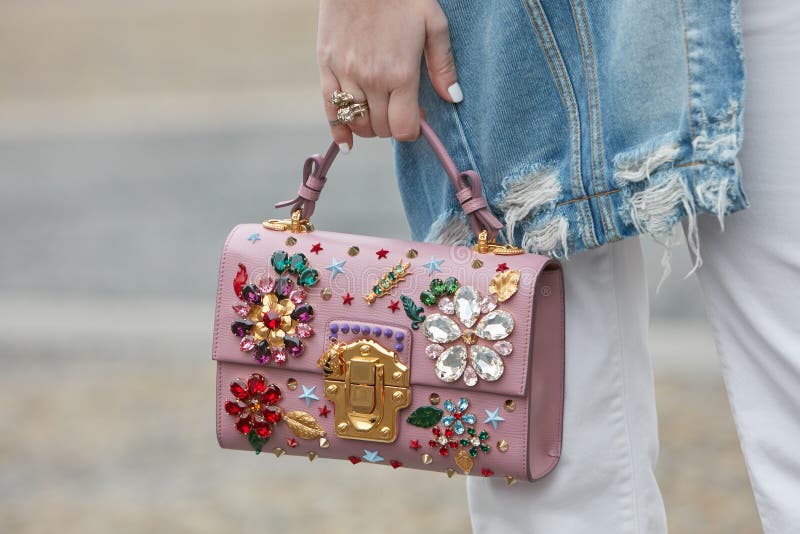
604 482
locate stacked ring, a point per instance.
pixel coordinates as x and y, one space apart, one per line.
347 108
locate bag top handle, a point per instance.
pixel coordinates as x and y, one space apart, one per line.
467 184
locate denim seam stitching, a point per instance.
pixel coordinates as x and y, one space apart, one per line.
587 197
462 134
593 104
682 6
570 106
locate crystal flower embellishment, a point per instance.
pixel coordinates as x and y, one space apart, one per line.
475 318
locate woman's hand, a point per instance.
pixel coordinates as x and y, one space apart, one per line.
372 49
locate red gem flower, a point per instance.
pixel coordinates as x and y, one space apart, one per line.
443 440
255 406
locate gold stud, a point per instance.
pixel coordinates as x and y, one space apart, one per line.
397 396
353 251
278 452
333 388
450 472
477 264
511 480
342 427
510 405
312 456
385 431
326 293
324 443
412 253
502 445
434 398
426 458
291 384
291 241
397 375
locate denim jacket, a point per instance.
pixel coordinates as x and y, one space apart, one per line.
588 120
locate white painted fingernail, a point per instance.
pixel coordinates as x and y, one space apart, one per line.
455 92
344 148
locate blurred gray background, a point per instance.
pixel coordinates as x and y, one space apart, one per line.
133 136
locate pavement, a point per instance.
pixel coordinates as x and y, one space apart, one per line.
133 136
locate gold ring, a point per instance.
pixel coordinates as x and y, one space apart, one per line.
346 115
341 99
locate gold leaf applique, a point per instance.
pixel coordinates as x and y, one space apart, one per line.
303 425
464 461
504 284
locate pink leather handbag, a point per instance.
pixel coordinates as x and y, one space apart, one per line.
405 354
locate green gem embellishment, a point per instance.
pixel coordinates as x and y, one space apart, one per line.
476 444
279 261
308 278
298 263
425 417
383 285
437 287
256 442
428 298
451 285
414 312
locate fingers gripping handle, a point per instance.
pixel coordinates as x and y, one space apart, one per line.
467 184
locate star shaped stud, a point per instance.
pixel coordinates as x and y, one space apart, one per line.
324 411
372 456
308 395
433 265
316 248
502 267
336 267
347 299
493 417
254 237
394 305
382 253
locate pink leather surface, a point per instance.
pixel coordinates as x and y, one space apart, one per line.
535 369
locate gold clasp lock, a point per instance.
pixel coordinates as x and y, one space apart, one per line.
368 386
296 225
488 246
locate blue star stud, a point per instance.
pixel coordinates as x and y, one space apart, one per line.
433 265
336 267
308 394
254 237
372 456
493 417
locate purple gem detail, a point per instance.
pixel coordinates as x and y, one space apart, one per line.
398 347
365 330
345 328
293 345
251 294
388 332
262 354
334 328
399 336
355 329
283 287
377 331
241 327
303 313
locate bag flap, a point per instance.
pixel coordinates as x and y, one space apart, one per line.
350 267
